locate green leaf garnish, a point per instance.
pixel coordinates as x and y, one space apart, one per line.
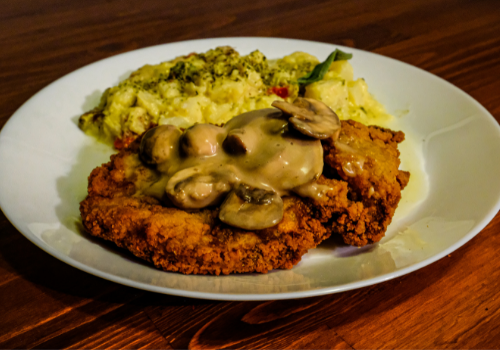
320 70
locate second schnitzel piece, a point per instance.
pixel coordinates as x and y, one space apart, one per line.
217 200
367 158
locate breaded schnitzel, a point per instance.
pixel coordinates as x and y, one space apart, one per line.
360 168
368 159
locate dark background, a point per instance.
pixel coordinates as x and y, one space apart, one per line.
453 303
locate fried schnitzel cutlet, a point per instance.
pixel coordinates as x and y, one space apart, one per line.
364 188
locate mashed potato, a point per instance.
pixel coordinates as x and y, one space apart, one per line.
215 86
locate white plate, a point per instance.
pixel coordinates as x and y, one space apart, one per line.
45 160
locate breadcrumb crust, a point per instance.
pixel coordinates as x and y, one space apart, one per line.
359 208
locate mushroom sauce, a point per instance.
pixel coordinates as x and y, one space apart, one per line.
247 165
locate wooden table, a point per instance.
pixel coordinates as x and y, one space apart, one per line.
453 303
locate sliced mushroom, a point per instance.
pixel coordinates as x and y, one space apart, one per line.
159 144
251 209
201 140
192 189
311 117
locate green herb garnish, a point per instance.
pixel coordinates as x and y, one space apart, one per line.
320 70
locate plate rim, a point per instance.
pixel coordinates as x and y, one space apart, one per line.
477 228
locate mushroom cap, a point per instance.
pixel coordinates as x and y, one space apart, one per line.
159 144
201 140
251 208
311 117
191 188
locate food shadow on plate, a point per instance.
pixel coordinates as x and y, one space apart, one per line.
123 77
340 249
91 101
70 238
72 188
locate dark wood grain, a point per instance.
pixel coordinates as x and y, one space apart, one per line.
453 303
